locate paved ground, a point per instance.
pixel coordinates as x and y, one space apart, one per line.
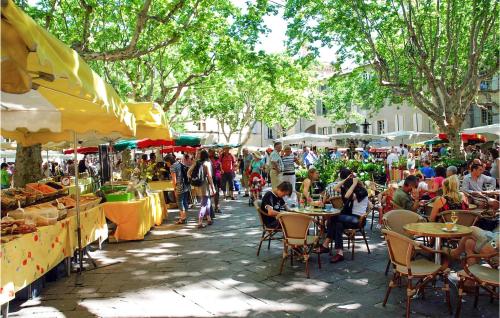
180 271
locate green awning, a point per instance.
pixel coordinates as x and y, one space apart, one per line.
124 144
187 140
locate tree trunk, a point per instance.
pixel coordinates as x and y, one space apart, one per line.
453 134
28 165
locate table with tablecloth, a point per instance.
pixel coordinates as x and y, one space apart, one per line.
30 256
134 219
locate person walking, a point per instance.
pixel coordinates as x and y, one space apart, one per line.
289 159
228 166
247 161
200 175
276 165
217 174
181 186
5 178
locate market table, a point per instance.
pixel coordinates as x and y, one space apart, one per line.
435 230
134 219
30 256
164 185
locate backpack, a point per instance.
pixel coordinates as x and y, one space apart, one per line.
197 175
184 174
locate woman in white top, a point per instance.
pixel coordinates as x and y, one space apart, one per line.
206 189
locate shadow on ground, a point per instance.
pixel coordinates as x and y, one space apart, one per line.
182 271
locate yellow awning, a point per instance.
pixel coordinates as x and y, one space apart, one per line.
38 69
150 120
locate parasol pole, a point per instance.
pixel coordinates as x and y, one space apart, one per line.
77 194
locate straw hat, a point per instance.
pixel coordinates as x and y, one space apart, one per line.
257 155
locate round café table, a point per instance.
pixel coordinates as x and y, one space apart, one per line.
435 230
320 214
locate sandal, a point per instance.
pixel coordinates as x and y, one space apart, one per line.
210 222
201 226
181 221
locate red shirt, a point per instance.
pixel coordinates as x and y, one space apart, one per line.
227 162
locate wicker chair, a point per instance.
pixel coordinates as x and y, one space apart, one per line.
486 277
401 251
296 241
395 220
268 233
360 228
465 217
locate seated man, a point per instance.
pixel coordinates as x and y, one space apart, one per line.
273 204
406 197
473 184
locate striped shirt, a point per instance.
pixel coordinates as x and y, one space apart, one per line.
288 164
275 157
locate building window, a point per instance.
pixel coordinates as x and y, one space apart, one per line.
270 134
486 115
330 130
417 122
398 122
380 127
319 108
201 125
366 76
485 86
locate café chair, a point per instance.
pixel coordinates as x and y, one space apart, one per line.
401 252
485 276
295 239
268 233
350 234
337 202
465 217
395 221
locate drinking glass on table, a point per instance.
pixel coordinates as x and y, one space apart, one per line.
454 218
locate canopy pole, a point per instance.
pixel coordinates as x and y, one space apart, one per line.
111 161
77 194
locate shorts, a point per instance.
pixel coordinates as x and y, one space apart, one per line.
182 200
227 180
244 180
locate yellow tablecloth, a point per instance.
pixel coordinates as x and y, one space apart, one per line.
134 219
84 189
29 257
165 185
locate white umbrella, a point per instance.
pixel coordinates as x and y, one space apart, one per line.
489 129
406 136
355 135
303 137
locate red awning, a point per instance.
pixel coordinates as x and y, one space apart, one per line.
82 150
148 143
179 149
477 138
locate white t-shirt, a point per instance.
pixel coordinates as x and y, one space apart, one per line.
422 185
391 158
359 208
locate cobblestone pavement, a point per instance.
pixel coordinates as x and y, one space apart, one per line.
181 271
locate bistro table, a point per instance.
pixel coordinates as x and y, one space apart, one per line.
435 230
320 214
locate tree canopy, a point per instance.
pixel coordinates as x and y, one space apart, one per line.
433 53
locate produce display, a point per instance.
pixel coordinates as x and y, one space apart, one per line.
10 226
11 197
43 188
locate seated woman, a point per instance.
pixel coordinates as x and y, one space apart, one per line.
385 199
425 191
451 199
355 198
273 204
306 189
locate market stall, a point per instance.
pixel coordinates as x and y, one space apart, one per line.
27 257
135 218
49 94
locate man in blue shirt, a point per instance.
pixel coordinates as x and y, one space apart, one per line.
427 170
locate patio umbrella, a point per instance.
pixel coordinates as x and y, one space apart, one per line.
406 136
355 135
125 144
466 138
489 129
303 137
